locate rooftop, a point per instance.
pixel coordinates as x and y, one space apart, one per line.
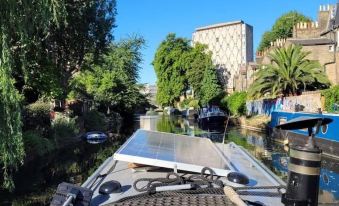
313 41
219 25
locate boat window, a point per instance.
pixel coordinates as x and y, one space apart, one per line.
282 120
324 129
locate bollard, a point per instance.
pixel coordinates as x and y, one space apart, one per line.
303 176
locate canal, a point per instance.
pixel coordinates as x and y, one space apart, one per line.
274 155
36 181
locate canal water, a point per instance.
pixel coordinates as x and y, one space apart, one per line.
37 181
272 154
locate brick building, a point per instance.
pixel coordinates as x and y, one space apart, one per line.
319 38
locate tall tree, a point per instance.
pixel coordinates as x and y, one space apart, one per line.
196 61
170 71
282 28
289 73
210 87
18 23
53 57
113 82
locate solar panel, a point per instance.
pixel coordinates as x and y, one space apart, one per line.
172 151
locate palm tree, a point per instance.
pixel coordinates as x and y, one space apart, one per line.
289 73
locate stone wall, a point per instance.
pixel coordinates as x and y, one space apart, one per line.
308 102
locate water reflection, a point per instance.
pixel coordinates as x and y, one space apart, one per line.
272 154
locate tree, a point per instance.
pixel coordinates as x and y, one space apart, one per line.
196 61
282 28
18 23
289 73
113 82
57 50
88 30
210 88
169 68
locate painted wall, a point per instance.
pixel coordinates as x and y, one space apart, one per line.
308 102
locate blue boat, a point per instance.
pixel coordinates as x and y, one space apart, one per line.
95 137
327 138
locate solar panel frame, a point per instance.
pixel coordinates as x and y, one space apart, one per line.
173 151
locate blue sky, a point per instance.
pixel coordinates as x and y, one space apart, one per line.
154 19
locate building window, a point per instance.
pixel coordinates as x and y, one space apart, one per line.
217 39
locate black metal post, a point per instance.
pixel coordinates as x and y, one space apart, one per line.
303 177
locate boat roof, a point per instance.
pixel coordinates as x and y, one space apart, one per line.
174 151
238 159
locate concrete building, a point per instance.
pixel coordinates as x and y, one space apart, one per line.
320 38
231 45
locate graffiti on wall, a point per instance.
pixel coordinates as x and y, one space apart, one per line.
306 103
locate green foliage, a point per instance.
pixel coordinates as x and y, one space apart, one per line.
18 25
179 67
36 144
95 121
331 98
235 103
185 102
196 61
282 28
210 89
64 129
37 117
289 73
171 81
194 103
11 145
113 82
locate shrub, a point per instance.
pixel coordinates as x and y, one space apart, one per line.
36 116
35 144
235 103
95 121
194 103
64 129
184 103
331 99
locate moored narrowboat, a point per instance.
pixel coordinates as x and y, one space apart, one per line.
327 138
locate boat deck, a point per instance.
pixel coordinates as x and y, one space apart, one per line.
238 158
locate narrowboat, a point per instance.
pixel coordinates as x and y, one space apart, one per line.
156 168
211 115
327 138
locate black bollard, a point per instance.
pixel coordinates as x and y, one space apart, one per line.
304 165
303 177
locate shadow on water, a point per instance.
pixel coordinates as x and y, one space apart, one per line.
274 155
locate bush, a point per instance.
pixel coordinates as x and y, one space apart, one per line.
194 103
95 121
35 144
36 116
235 103
184 103
331 99
64 129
